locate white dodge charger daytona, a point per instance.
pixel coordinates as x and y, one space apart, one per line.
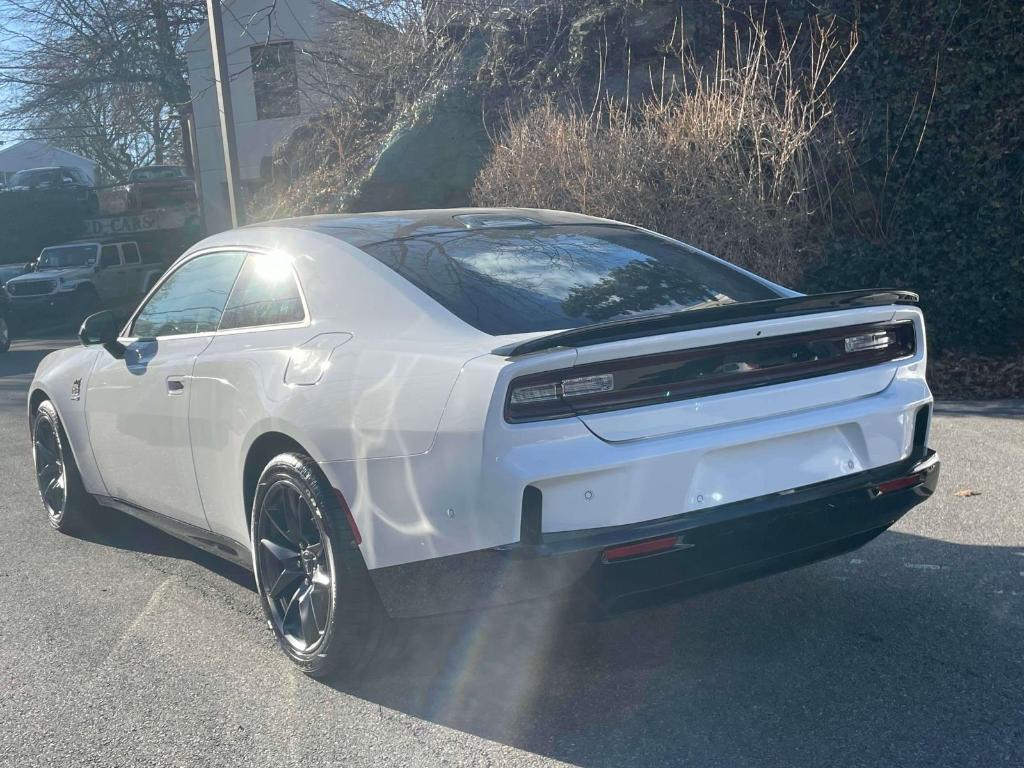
419 412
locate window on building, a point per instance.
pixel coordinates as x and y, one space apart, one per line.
275 80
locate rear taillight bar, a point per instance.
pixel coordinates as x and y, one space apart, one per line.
703 371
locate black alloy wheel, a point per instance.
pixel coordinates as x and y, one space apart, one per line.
297 569
64 498
312 582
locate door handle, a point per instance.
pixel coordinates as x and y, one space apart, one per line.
175 386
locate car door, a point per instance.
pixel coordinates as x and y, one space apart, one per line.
238 378
132 269
110 276
137 407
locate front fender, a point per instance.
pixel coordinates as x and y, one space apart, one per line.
63 376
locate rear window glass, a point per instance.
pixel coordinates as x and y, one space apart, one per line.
522 279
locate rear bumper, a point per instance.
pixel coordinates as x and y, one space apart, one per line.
713 548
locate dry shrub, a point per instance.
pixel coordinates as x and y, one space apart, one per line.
739 162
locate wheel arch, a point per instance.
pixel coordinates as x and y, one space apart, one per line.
261 451
35 399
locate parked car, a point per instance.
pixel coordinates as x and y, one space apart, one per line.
5 326
57 184
419 412
158 186
81 275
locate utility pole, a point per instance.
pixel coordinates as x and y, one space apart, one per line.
222 78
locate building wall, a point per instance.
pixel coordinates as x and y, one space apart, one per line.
301 22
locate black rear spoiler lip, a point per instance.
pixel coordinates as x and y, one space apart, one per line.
711 317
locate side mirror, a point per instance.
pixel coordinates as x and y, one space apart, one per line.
101 328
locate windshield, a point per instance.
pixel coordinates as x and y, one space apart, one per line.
156 174
34 178
67 256
524 279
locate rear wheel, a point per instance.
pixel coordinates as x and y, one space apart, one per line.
68 506
312 582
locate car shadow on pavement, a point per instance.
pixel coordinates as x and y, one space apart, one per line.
113 528
905 652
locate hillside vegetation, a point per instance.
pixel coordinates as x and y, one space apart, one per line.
829 145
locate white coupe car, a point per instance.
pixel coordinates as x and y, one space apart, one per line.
407 413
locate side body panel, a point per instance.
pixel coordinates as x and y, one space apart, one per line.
368 405
387 374
138 425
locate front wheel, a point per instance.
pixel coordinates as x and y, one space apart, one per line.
312 582
68 505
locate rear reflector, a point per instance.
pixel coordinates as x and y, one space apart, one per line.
898 484
640 548
356 536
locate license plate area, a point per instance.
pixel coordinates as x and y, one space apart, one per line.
771 466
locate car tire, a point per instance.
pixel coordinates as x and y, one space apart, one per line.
312 582
5 334
68 505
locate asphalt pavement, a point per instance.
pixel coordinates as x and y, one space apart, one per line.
128 648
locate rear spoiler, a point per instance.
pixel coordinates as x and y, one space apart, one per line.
709 317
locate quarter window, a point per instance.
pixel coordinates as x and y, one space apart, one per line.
264 294
192 299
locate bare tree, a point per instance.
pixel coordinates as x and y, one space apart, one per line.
106 78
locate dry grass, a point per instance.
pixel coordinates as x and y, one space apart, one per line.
739 162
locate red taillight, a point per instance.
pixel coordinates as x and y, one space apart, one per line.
898 484
640 548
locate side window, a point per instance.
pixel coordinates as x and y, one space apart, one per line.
192 299
130 252
109 256
265 294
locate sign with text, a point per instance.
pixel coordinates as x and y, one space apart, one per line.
145 221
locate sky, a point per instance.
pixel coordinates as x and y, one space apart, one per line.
9 46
